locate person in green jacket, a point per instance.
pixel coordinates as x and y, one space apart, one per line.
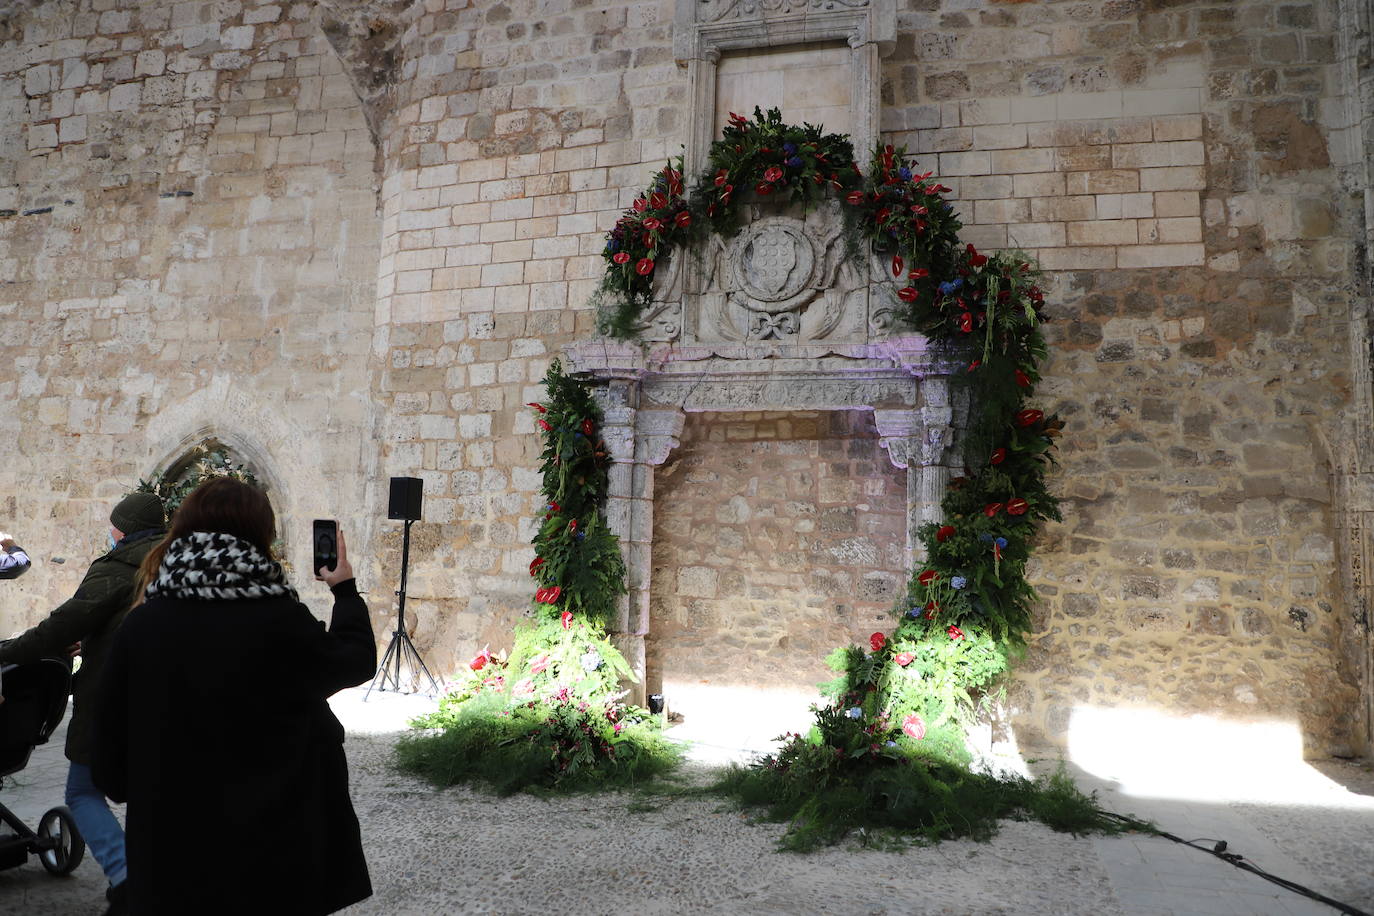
90 617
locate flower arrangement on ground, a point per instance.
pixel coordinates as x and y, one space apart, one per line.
550 715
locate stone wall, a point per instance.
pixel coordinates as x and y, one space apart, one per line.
188 246
1175 164
777 537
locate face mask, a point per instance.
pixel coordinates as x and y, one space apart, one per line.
113 542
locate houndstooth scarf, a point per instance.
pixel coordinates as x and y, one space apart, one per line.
211 566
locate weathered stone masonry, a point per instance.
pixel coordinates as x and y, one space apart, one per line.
348 238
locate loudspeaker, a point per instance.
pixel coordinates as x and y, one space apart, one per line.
405 498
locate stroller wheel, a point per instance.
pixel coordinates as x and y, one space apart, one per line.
63 846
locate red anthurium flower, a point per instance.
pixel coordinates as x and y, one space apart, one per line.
966 322
999 455
535 564
763 189
621 257
773 173
928 576
978 260
991 509
1029 417
544 425
554 506
945 533
877 641
896 265
720 177
658 200
914 727
975 364
919 210
548 595
932 608
903 658
1022 379
1017 506
907 294
954 632
639 204
644 267
683 218
710 209
652 224
854 197
565 618
480 660
539 407
919 273
572 525
588 427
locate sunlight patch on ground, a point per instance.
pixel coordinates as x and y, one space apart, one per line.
1152 754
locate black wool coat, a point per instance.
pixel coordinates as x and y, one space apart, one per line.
213 727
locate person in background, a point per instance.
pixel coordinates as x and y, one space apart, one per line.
214 725
14 562
91 617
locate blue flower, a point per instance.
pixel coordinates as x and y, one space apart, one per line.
946 207
789 148
985 538
795 162
854 712
892 744
612 245
949 286
914 612
958 582
1002 543
905 173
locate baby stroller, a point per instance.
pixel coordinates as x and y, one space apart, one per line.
35 702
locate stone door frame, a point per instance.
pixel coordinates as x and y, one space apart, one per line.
646 393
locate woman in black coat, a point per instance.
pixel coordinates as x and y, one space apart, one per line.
215 729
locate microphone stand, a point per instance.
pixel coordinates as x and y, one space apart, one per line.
401 648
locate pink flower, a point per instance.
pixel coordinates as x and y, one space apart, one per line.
914 726
539 665
524 688
904 658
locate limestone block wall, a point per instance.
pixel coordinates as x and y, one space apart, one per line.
188 245
353 309
777 537
1167 162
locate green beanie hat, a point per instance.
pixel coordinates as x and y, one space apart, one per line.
139 512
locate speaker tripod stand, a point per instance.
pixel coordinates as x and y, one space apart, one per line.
401 651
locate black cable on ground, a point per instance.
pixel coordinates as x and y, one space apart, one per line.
1219 850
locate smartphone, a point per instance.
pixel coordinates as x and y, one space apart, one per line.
326 544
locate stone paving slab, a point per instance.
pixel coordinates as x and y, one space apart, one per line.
461 851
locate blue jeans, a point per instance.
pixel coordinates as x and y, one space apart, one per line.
97 823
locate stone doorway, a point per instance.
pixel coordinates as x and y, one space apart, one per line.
781 537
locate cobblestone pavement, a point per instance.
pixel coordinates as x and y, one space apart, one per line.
459 851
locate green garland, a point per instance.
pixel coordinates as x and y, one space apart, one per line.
907 700
211 460
550 715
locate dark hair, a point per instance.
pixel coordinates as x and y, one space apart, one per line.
223 505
